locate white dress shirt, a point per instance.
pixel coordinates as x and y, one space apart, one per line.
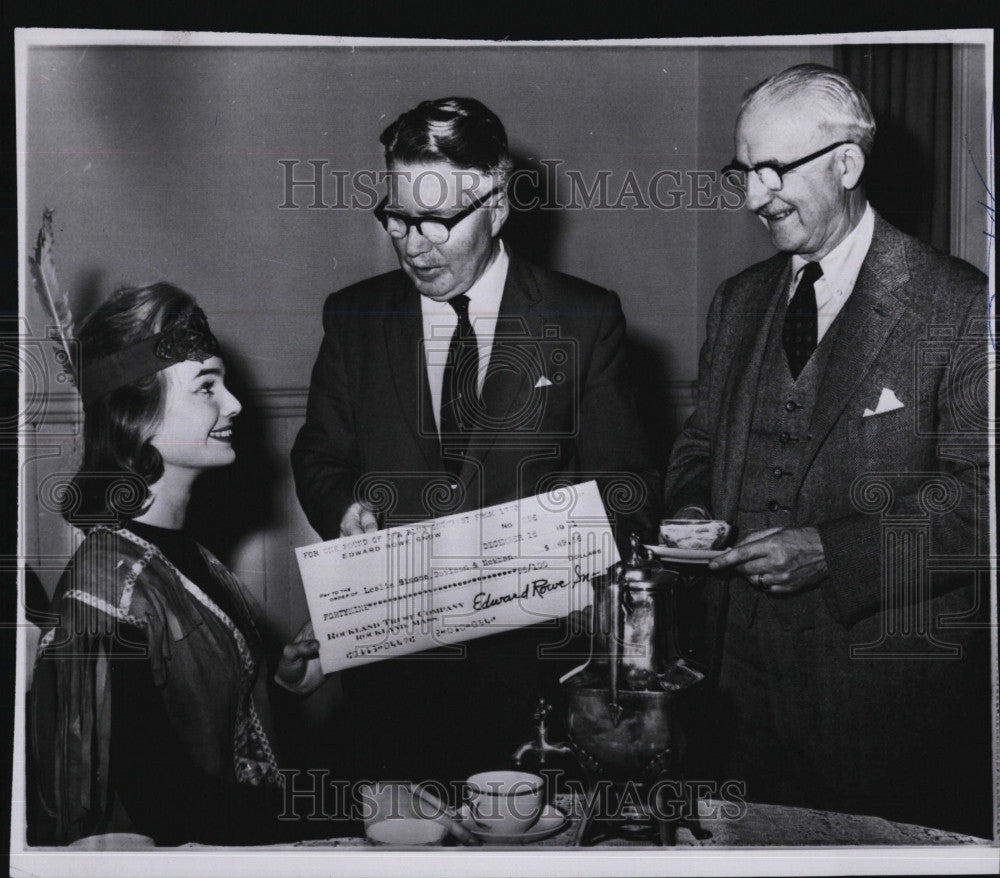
840 272
440 321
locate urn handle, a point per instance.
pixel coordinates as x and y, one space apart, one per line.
637 558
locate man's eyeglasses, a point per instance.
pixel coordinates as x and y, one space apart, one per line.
770 174
436 229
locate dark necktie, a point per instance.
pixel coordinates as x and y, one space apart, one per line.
458 387
800 332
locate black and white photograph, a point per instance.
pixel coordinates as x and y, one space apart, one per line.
504 458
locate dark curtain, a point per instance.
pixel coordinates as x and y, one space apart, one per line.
908 178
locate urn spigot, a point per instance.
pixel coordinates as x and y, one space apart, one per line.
541 745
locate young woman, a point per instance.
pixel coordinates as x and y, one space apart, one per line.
149 707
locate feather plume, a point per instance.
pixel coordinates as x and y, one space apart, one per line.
43 278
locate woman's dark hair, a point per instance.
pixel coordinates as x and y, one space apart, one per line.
119 460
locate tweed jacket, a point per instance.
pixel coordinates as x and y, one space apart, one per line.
915 324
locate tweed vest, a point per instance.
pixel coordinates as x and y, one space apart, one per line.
778 452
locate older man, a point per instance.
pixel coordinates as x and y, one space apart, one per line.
841 425
467 378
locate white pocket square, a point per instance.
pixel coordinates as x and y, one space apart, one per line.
542 382
887 402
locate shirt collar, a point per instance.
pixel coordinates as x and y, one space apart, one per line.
484 295
844 260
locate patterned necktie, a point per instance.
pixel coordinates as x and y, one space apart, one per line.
458 387
800 333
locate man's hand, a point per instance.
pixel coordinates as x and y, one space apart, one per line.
294 666
781 560
358 519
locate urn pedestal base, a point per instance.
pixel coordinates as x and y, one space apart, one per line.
631 760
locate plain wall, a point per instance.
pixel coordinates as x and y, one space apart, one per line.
163 163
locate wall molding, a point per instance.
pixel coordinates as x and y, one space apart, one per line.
63 408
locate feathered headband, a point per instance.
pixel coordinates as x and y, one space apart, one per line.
189 338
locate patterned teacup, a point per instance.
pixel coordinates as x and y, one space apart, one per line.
691 533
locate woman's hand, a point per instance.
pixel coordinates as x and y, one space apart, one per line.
299 668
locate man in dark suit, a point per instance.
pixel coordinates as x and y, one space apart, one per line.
465 379
841 425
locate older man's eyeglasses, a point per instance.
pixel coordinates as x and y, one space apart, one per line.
436 229
771 174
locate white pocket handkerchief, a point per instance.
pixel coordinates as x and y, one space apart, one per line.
887 402
542 382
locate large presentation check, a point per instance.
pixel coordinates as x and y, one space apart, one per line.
446 580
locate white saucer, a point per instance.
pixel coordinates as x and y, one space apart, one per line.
550 821
685 556
114 841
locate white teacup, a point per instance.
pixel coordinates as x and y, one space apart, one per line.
692 533
505 802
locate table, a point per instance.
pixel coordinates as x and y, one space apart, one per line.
758 826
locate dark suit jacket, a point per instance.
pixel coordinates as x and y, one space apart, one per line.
370 434
914 323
